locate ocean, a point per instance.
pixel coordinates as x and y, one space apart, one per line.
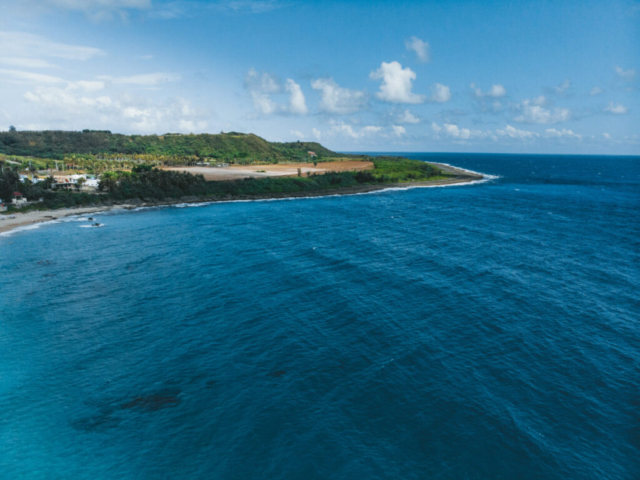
486 331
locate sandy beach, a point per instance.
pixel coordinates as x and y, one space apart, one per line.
35 217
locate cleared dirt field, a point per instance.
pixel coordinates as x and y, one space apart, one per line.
236 172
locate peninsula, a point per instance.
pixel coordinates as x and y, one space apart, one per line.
50 174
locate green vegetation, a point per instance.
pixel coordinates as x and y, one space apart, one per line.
230 147
10 183
126 164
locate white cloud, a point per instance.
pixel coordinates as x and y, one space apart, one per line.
25 62
73 108
496 91
407 117
454 132
20 44
533 111
297 134
627 75
396 84
338 100
616 108
440 93
595 91
560 89
260 87
420 48
30 77
316 133
398 130
89 86
264 82
516 134
347 131
540 100
145 80
253 6
564 133
297 104
98 9
606 136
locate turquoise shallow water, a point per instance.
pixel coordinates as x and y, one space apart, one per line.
483 331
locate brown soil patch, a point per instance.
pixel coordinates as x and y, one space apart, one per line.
236 172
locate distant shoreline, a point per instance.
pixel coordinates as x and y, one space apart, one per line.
44 216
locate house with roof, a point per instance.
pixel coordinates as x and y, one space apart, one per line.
17 199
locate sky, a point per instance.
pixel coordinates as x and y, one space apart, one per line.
398 76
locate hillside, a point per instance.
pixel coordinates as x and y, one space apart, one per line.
57 144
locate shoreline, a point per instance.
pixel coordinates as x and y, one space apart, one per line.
44 216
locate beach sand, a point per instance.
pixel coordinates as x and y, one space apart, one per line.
32 218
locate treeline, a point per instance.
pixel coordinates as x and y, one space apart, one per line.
223 147
10 183
153 184
145 182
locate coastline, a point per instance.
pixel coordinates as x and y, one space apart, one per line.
34 218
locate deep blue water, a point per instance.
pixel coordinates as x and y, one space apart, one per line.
482 331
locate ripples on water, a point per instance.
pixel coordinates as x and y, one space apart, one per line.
486 331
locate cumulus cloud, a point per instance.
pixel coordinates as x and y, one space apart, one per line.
563 87
297 104
420 47
73 107
533 111
516 134
595 91
616 108
407 117
627 75
396 84
496 91
440 93
345 131
562 134
454 132
28 45
338 100
260 86
349 131
398 130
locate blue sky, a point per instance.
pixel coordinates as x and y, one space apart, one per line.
481 76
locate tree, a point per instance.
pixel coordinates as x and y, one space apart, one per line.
299 172
80 182
12 128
